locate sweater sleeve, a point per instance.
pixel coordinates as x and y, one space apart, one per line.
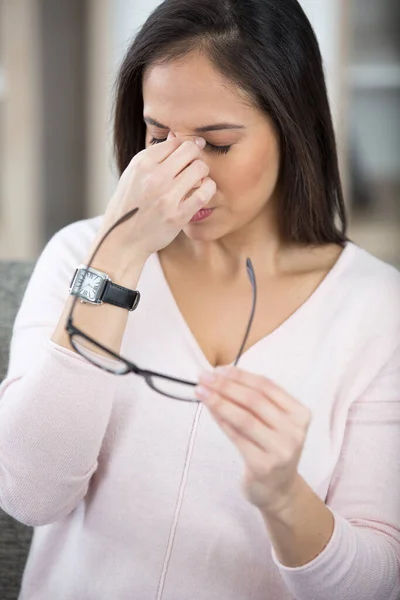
54 405
362 558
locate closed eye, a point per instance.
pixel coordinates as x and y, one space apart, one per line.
211 147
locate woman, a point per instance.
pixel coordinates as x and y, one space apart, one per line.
282 480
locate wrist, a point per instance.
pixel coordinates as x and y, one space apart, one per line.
121 271
285 510
114 244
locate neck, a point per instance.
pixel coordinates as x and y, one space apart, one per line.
226 256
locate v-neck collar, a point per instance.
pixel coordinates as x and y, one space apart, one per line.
289 323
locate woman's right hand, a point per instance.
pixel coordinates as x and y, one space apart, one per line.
169 184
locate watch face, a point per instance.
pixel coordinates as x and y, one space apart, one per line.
88 285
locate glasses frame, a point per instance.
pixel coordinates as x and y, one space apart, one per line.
131 367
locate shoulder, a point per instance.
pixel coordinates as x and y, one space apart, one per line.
368 266
75 239
61 255
374 283
67 248
368 304
360 324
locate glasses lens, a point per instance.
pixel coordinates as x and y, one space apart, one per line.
173 389
97 356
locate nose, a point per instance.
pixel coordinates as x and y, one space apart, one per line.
189 136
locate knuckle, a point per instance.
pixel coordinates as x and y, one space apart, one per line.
223 385
256 402
203 194
288 452
142 155
172 220
201 166
125 176
218 405
247 423
305 417
142 161
211 186
163 205
150 181
200 196
297 436
138 159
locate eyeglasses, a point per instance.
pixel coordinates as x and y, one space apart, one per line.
108 360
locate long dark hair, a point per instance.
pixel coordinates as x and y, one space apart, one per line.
269 50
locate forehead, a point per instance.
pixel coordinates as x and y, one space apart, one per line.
192 89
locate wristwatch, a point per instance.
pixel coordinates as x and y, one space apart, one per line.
96 287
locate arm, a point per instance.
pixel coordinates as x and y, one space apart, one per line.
54 405
362 557
301 532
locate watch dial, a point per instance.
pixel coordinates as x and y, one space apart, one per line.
88 285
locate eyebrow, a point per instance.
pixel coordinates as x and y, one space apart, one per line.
215 127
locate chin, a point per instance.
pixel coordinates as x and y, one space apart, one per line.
203 232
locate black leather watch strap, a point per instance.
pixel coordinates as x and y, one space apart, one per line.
120 296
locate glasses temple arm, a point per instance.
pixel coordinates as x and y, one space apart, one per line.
250 273
124 218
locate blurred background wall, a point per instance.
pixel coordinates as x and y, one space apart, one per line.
58 62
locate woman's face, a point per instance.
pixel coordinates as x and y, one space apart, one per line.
183 96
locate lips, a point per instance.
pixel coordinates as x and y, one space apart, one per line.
202 214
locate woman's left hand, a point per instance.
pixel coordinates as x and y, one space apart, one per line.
267 426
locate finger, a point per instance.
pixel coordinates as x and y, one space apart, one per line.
189 178
271 390
194 188
160 152
250 399
198 199
257 460
183 156
247 425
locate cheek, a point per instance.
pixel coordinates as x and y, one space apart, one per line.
252 171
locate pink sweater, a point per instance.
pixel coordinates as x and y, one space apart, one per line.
137 497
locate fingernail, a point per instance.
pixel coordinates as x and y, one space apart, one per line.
208 377
201 142
224 371
202 392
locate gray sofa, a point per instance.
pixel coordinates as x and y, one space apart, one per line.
15 538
